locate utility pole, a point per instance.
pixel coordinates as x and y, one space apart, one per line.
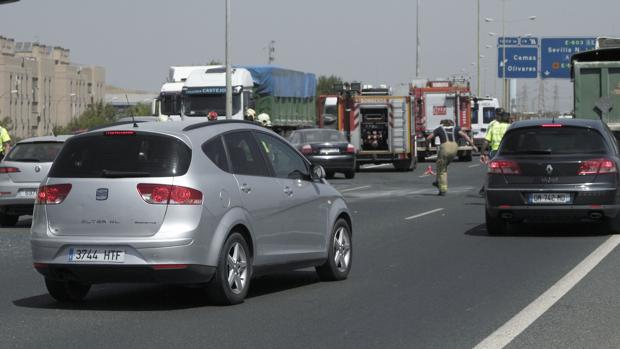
417 41
504 60
541 97
228 70
478 49
271 52
556 99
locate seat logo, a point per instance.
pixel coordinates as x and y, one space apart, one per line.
101 194
549 169
37 169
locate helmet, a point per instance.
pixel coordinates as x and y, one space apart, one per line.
263 118
212 115
250 113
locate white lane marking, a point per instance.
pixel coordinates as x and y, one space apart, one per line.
476 165
356 188
374 166
424 214
520 322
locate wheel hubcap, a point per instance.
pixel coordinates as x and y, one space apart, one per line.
342 249
237 262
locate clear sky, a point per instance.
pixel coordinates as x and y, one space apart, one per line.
370 41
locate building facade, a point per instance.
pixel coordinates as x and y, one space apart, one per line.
40 88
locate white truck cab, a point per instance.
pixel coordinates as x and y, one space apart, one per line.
168 103
482 113
204 91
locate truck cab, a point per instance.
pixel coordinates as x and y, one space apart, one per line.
205 92
482 113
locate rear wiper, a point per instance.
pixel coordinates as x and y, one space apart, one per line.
122 174
25 160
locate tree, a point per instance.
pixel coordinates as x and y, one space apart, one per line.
95 115
325 84
215 62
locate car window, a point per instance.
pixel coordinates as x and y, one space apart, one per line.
286 162
214 149
296 138
553 140
245 157
488 115
34 152
122 154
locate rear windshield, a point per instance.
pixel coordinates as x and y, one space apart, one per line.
119 156
561 140
322 136
34 152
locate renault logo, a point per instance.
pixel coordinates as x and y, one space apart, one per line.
101 194
549 169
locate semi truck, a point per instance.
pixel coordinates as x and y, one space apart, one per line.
596 84
378 125
287 96
435 101
168 103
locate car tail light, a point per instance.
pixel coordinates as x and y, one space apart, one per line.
596 166
52 194
162 194
9 169
505 167
350 149
306 149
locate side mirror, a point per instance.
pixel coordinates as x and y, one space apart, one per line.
317 172
155 107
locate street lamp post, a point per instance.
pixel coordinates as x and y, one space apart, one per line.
478 49
56 108
228 70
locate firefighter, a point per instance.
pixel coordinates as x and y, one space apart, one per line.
448 135
250 114
263 119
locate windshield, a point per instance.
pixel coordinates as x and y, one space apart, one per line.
322 136
170 104
35 152
201 105
488 115
561 140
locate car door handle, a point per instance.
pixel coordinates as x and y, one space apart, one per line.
245 188
288 191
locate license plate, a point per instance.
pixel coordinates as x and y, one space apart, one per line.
330 151
96 255
27 193
550 198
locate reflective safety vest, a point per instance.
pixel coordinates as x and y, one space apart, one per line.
495 133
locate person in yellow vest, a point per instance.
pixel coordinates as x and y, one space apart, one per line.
493 139
448 135
5 142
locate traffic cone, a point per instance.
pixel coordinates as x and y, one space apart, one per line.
429 171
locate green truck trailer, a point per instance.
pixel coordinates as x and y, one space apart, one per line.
596 77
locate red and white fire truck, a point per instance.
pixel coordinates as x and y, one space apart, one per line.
378 125
433 101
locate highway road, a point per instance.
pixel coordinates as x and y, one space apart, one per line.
425 275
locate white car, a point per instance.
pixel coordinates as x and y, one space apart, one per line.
21 172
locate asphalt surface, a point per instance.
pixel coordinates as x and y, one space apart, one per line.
425 275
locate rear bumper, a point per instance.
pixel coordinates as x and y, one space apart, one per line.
554 213
95 274
334 162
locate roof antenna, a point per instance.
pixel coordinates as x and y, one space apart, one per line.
130 112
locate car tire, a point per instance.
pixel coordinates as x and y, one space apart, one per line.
66 291
339 254
495 225
234 262
613 224
8 220
329 174
349 174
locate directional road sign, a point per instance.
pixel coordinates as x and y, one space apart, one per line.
556 53
521 62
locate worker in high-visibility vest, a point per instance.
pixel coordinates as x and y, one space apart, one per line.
448 135
493 139
5 142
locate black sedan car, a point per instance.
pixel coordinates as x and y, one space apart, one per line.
328 148
550 171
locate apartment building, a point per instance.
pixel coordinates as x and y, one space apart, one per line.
40 88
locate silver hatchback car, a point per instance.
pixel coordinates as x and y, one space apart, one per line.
21 172
208 203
